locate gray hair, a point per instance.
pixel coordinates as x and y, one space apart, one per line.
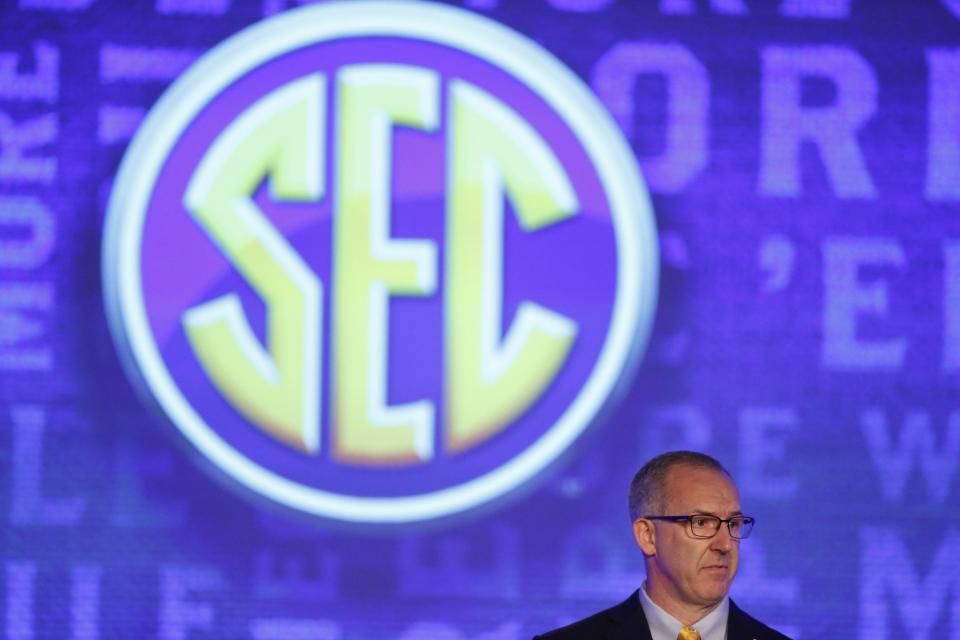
647 495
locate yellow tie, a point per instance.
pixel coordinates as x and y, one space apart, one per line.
688 633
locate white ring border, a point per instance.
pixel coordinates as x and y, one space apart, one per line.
631 211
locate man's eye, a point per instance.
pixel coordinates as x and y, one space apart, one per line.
700 522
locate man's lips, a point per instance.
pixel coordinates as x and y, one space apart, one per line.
717 568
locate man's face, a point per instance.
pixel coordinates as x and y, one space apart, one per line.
687 574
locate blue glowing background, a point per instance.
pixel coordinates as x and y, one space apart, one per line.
804 162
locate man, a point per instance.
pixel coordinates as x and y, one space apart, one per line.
688 524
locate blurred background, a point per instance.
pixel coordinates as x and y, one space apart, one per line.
803 163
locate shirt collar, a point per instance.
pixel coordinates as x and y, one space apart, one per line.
664 626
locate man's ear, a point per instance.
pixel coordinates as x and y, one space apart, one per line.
645 535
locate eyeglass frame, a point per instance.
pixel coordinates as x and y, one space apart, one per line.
720 521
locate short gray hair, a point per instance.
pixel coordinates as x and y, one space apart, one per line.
647 496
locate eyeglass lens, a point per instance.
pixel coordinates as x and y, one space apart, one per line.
708 526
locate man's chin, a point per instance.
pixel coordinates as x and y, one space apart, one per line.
714 586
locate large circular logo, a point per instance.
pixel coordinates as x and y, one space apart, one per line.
379 262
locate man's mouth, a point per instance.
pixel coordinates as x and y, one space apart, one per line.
716 568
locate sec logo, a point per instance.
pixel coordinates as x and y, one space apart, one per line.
379 262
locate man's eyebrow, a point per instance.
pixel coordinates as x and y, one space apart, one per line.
704 512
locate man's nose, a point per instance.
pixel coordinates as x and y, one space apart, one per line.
722 542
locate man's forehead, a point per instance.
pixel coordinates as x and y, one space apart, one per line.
700 487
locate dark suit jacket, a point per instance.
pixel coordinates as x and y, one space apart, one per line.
627 622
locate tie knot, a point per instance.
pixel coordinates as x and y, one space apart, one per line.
688 633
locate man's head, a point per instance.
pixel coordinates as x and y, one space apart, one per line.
686 575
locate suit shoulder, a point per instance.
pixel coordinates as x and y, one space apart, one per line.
755 629
589 628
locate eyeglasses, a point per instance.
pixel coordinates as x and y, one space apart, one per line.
704 526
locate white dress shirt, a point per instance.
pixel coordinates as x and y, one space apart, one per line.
664 626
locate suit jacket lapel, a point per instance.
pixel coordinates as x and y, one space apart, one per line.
738 624
628 621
